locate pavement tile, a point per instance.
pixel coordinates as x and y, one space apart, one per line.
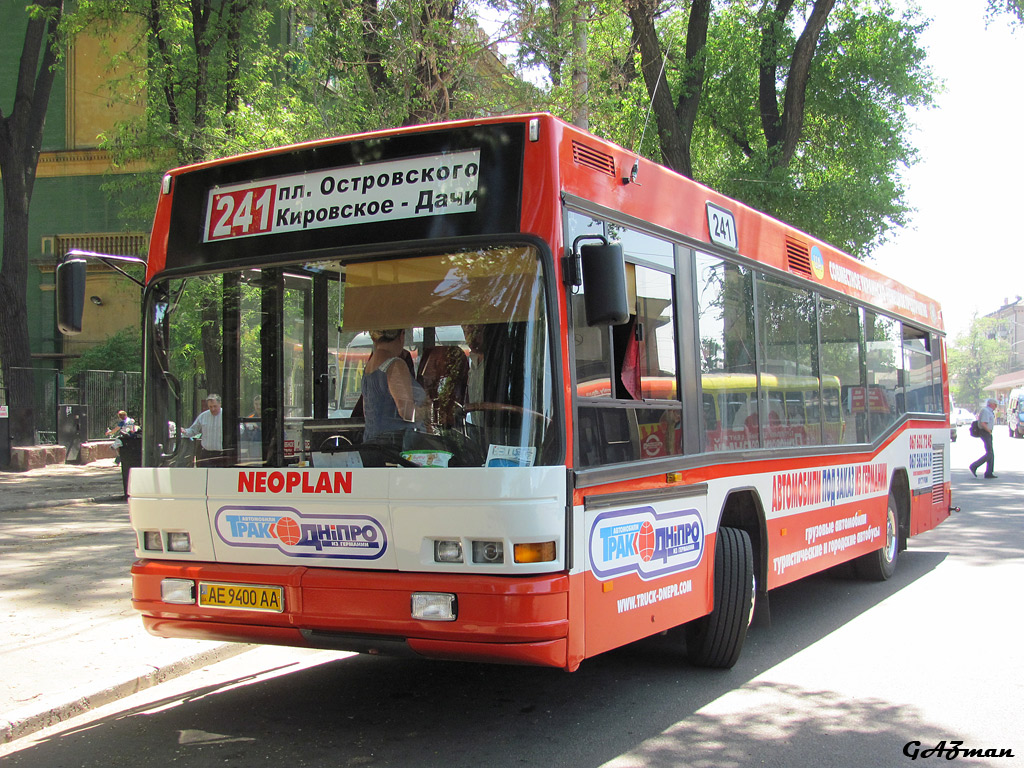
69 644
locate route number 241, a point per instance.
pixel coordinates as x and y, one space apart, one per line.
241 213
722 227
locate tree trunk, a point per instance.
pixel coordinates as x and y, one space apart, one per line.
580 79
21 135
14 346
783 132
675 122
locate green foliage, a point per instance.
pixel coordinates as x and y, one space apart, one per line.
120 352
225 77
844 182
260 73
1012 8
976 357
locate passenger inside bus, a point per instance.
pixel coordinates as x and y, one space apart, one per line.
390 394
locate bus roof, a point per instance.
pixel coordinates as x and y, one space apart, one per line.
597 174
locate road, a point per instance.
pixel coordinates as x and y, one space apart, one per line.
848 674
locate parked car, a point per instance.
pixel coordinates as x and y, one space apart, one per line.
962 416
1015 412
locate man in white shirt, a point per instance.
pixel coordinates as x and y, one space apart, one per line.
209 425
986 423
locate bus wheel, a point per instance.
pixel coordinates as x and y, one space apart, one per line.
881 564
716 640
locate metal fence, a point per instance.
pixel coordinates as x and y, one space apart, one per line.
106 393
98 395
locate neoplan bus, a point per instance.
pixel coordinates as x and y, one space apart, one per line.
553 498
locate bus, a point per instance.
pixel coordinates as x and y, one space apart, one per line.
579 324
790 404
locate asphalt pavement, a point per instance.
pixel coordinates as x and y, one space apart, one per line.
70 640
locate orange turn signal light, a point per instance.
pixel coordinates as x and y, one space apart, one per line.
541 552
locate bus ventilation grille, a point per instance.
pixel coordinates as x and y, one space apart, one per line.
592 158
799 257
938 477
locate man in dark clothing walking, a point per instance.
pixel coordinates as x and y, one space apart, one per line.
986 423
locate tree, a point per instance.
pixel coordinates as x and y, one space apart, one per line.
120 352
1012 8
425 60
21 136
798 109
555 36
975 359
805 119
675 117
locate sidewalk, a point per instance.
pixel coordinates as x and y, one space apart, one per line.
60 484
69 638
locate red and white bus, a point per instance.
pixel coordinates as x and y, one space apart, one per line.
587 327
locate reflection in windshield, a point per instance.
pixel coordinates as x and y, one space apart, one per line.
437 360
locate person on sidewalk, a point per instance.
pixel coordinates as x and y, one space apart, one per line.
209 425
125 424
986 422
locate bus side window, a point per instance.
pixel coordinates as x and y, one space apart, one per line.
737 410
710 417
607 436
795 408
776 409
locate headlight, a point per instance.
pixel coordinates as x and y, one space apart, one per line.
179 541
434 606
490 552
178 591
448 551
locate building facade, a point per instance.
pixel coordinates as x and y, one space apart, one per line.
1010 326
71 205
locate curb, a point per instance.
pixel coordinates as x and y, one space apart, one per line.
31 722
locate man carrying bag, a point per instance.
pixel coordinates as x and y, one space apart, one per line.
982 428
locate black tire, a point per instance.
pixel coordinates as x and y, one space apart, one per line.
881 564
716 640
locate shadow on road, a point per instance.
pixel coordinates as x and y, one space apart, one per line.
377 711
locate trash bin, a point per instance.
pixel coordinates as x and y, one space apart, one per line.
130 453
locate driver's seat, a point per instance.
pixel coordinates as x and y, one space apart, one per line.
444 376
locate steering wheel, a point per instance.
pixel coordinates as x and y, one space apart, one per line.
339 442
385 454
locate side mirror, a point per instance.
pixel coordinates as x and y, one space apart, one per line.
604 284
70 289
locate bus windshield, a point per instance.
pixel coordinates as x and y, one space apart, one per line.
426 360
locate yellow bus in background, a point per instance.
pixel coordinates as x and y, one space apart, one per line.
794 410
